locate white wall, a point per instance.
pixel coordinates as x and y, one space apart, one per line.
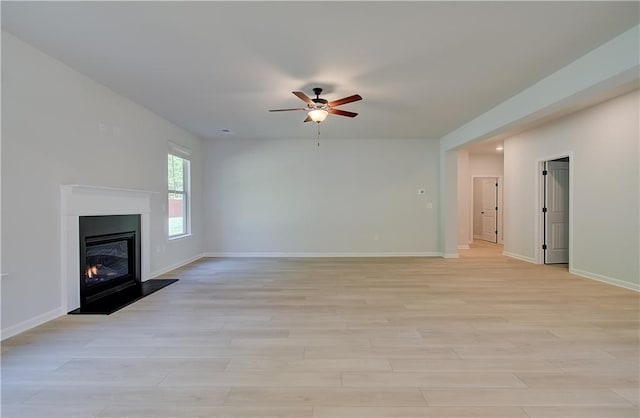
489 165
347 197
449 202
464 200
60 127
604 145
477 207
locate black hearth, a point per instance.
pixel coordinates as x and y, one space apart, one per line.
110 266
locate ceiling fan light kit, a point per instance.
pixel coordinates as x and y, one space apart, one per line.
318 115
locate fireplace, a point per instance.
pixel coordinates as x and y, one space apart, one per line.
109 256
87 201
106 228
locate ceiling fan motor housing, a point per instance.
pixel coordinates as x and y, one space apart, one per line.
319 103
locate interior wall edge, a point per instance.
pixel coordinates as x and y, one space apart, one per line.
605 279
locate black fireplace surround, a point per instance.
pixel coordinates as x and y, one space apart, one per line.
109 256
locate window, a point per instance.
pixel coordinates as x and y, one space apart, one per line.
179 195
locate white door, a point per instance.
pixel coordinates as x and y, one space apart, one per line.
557 212
489 209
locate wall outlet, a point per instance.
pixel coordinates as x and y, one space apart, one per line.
429 205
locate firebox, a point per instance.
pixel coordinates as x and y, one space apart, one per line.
109 256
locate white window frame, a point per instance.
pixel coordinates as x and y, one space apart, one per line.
184 153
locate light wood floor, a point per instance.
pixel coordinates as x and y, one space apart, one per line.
479 336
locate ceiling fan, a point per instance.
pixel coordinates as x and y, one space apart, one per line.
318 108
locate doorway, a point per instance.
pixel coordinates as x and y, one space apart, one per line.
555 211
485 209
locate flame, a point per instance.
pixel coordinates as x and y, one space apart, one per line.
92 271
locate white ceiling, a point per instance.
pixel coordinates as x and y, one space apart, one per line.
423 68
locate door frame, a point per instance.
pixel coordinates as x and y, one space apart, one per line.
539 200
499 215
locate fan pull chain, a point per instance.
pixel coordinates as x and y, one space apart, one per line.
318 134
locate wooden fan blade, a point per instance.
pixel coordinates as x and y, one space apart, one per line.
286 110
343 113
308 119
345 100
303 97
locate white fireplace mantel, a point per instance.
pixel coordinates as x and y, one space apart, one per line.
82 200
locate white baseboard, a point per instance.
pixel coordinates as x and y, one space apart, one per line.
519 257
463 247
605 279
174 266
31 323
319 255
477 237
48 316
450 255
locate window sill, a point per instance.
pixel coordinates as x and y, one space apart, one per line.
179 237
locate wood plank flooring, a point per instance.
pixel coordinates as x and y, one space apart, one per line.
479 336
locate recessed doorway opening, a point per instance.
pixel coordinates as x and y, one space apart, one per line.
485 206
